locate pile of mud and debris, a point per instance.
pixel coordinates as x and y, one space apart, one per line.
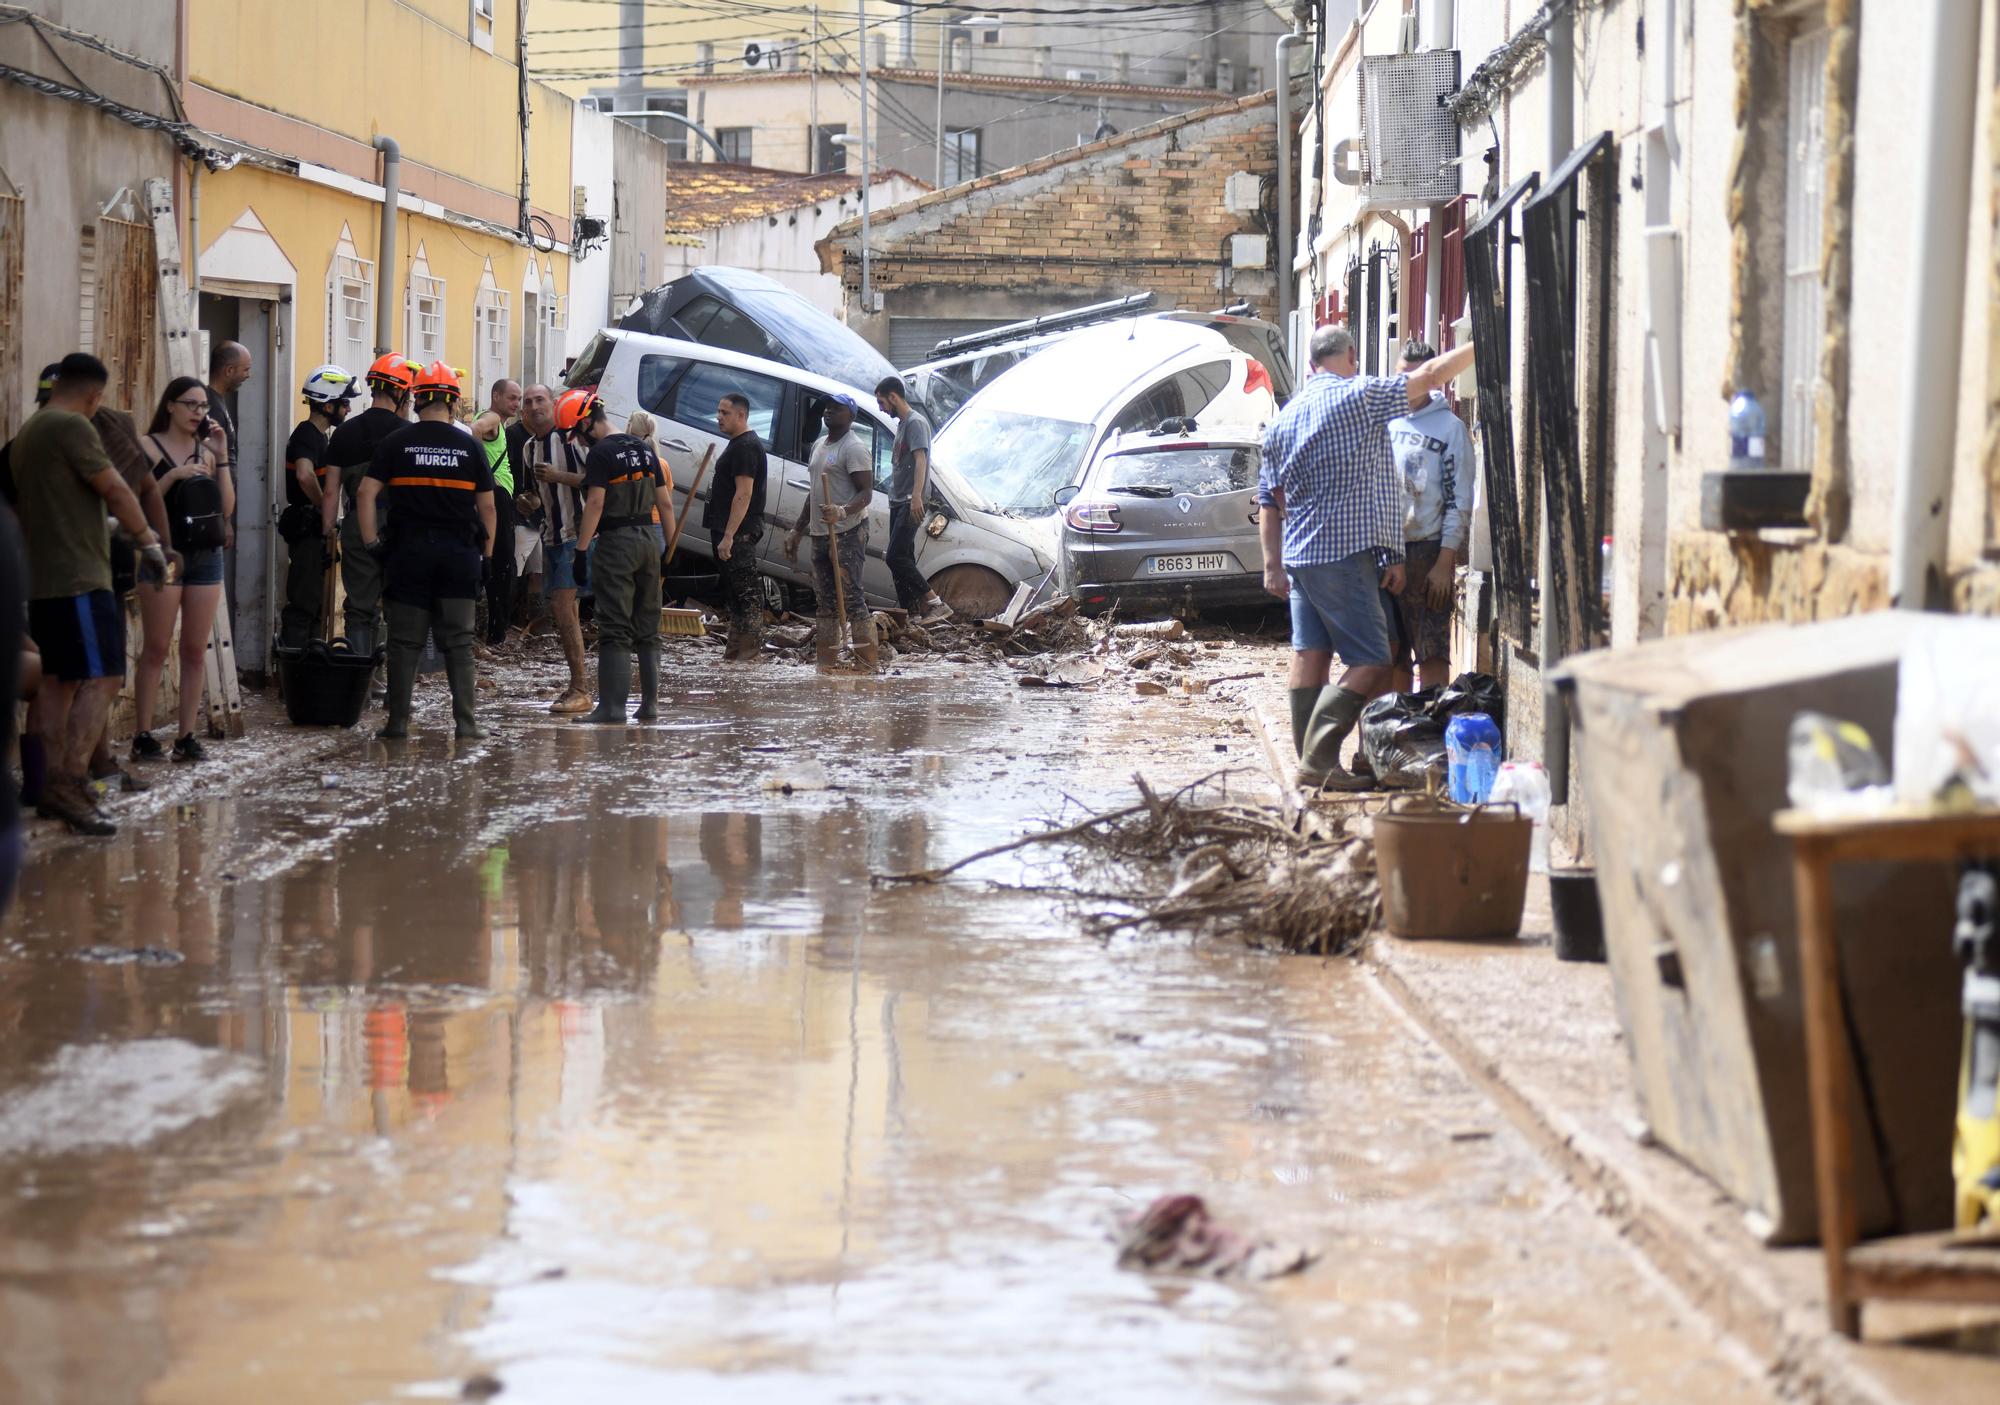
1196 860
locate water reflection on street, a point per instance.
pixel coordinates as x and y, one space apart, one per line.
591 1062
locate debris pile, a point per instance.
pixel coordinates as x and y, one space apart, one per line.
1176 1234
1300 883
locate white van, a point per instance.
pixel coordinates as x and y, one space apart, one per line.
972 564
1030 433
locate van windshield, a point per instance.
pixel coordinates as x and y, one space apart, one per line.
1014 461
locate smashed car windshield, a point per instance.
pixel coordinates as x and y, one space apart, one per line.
1197 472
1014 461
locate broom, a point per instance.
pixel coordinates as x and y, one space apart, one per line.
686 623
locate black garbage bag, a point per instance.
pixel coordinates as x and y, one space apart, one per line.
1470 692
1403 741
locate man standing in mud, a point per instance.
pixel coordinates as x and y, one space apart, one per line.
1331 522
734 518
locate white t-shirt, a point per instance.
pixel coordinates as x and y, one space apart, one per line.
841 459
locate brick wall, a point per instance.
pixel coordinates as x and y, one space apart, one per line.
1140 212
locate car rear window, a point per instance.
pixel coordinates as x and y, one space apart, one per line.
1228 468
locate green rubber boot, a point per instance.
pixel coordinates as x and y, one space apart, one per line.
614 687
1303 700
649 684
407 627
456 619
1333 718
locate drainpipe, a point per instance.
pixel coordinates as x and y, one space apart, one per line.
385 246
1287 278
1438 34
1560 72
193 261
1921 525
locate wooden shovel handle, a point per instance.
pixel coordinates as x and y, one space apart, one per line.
833 546
681 517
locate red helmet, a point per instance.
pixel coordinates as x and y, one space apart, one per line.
392 371
577 407
438 379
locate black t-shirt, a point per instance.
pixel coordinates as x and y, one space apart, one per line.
743 458
352 447
219 411
629 473
433 471
13 623
308 441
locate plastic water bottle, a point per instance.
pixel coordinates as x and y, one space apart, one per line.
1526 784
1746 434
1472 743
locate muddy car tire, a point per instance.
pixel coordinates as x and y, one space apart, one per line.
974 592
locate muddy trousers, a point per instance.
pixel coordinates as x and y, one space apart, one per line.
853 553
432 587
742 595
625 569
911 587
305 591
362 577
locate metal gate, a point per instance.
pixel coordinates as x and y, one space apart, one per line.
1489 252
1549 223
911 339
126 314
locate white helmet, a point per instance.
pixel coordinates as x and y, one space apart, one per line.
329 385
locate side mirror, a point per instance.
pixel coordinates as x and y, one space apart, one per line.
1065 496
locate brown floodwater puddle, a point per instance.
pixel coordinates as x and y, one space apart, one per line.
590 1062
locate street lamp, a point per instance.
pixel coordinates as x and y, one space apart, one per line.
867 285
945 26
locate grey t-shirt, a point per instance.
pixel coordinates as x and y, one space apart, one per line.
912 434
841 459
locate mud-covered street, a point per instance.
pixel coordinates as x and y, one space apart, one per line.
586 1065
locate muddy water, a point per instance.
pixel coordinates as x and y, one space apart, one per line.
592 1064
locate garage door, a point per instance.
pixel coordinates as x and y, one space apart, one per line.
911 338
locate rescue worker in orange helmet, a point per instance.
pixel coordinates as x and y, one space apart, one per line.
440 492
349 451
623 485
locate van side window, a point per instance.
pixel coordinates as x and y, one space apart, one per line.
1162 401
1201 384
713 322
693 399
657 375
875 438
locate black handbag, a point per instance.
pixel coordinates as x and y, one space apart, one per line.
298 522
194 510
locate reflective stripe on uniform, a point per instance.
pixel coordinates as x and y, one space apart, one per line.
433 483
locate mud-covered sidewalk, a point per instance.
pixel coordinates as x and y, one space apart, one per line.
588 1063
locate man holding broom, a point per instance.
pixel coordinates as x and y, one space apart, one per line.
843 482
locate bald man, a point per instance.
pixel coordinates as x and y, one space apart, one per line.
228 369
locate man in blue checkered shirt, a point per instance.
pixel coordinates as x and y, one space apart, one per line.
1331 520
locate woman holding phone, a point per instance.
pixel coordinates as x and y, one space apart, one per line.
190 456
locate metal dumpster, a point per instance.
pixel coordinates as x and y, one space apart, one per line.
1682 760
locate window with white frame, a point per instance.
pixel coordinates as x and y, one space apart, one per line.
482 23
490 326
1805 197
556 310
423 305
961 155
350 299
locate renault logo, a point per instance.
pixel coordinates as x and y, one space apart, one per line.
1185 504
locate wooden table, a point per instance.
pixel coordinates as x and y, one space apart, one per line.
1947 1268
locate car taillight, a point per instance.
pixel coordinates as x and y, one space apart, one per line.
1092 516
1258 378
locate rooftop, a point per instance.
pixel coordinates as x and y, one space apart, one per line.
707 195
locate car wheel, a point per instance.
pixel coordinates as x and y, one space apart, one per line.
775 598
974 592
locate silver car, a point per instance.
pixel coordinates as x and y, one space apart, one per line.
1165 518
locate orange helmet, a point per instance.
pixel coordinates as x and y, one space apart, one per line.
577 407
392 371
438 379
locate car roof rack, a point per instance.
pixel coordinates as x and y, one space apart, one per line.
1037 326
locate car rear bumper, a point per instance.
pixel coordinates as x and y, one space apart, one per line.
1212 592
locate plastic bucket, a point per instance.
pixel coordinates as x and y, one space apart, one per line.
1579 917
1449 872
324 687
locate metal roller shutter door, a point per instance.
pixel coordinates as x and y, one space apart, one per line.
911 338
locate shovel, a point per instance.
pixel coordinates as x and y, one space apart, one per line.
833 547
680 518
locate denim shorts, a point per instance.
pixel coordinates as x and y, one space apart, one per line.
1337 608
201 567
559 566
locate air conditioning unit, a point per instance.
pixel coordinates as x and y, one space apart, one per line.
1409 138
766 54
1083 75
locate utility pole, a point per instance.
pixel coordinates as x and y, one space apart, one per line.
944 50
812 100
867 285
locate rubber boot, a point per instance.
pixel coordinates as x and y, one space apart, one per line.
1333 718
826 645
1303 700
865 648
407 626
361 639
457 618
649 683
614 687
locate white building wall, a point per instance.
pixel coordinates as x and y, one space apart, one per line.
590 277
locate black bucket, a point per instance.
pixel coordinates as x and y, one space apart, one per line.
325 687
1579 918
